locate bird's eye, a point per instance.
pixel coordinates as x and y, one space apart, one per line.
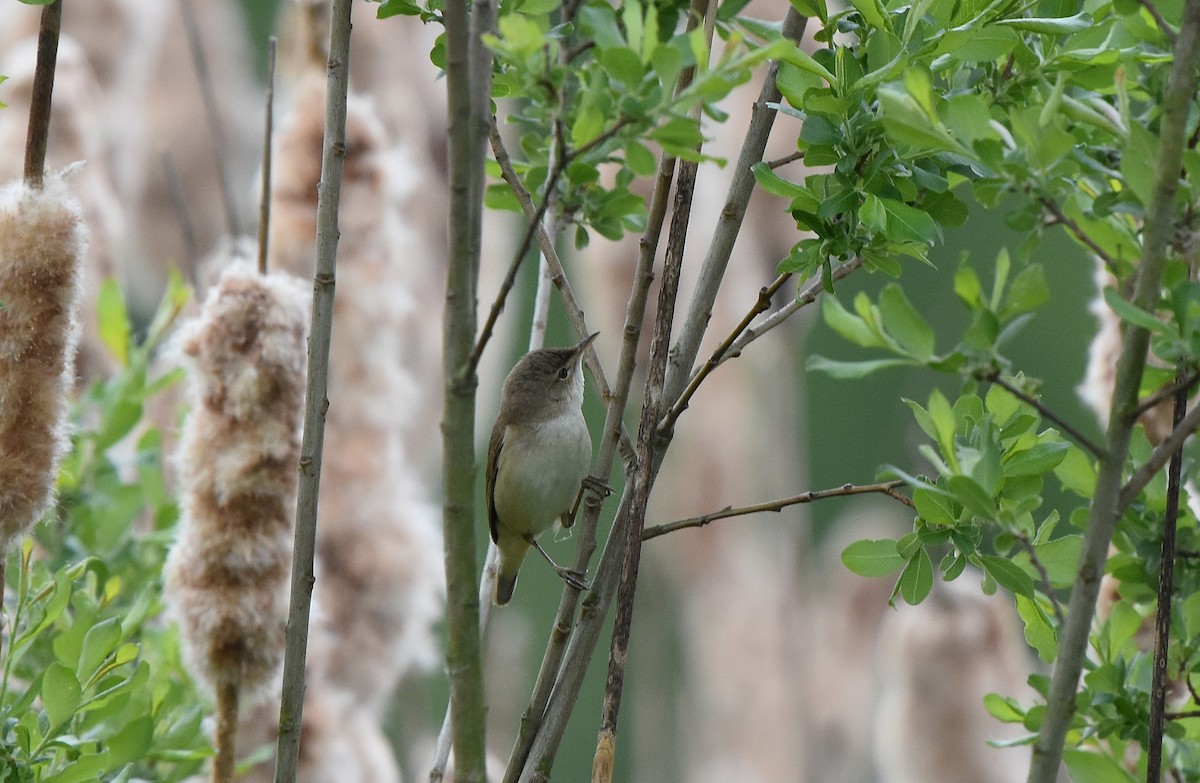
563 373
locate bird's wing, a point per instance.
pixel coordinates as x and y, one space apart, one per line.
493 467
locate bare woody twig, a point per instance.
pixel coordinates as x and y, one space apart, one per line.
264 204
1062 219
333 153
889 488
760 306
804 297
1040 407
38 133
1158 458
1165 393
1158 230
200 63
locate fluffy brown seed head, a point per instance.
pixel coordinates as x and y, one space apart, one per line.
227 575
41 244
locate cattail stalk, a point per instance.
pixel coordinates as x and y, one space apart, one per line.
227 574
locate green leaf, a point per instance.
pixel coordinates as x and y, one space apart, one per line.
774 184
60 693
935 508
917 579
1004 709
1039 633
1008 575
1090 767
872 558
967 287
909 224
804 61
1027 292
1060 558
972 496
1133 314
873 13
113 320
1050 26
624 64
131 743
905 324
100 640
1040 459
849 325
1077 473
853 370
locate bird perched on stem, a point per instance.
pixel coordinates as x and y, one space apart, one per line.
538 458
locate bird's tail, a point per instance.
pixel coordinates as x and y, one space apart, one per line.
505 584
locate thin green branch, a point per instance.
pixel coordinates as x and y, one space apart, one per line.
468 80
889 488
333 156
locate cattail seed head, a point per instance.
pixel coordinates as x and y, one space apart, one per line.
41 244
227 575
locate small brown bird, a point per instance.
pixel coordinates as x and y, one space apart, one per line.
538 456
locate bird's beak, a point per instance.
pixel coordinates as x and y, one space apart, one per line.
584 343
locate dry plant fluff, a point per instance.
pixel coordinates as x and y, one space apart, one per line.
41 247
227 576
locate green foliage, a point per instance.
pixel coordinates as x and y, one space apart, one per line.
92 686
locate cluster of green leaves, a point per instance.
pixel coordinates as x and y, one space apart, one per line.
1049 110
92 686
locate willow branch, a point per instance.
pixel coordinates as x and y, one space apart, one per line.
804 297
760 306
712 271
889 488
38 134
264 202
333 157
1044 576
1159 20
1040 407
1165 393
1102 519
1158 458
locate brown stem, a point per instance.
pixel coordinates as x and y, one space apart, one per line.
227 724
1159 20
264 202
1162 453
38 134
889 488
208 96
643 477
